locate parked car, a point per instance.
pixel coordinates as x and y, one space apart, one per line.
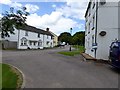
114 54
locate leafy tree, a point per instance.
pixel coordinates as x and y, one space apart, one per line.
65 37
11 20
78 38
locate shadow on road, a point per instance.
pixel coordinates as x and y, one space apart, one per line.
115 70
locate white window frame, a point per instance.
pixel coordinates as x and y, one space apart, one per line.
23 41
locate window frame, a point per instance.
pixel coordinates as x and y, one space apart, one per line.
38 35
23 41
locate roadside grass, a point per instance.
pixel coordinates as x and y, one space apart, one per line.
11 78
78 50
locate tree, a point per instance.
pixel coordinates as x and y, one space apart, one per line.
11 20
78 38
65 37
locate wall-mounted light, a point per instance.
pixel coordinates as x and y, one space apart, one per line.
102 33
102 2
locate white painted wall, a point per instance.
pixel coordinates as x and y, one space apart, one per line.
119 20
32 36
107 21
48 38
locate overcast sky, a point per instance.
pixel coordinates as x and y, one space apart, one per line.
58 15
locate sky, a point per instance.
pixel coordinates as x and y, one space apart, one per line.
58 15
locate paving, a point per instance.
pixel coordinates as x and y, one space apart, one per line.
87 57
48 69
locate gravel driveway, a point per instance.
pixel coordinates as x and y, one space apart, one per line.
48 69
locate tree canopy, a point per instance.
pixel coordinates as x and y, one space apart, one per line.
77 39
12 19
65 37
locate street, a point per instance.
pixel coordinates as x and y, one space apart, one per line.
48 69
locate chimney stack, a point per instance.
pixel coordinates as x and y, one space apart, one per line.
47 29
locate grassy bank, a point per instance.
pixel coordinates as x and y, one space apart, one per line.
78 50
11 78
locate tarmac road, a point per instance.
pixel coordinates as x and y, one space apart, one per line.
48 69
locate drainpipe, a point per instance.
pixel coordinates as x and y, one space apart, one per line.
96 26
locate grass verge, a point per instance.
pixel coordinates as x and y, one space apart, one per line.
11 77
78 50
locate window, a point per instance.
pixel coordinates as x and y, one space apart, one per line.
30 43
51 37
89 29
26 33
92 39
93 22
47 42
39 43
89 13
23 41
34 43
93 4
47 36
38 35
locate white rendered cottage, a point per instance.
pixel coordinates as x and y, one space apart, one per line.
102 27
29 37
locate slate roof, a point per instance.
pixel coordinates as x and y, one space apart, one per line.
36 30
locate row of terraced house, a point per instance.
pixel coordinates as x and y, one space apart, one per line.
29 37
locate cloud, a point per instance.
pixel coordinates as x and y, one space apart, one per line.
63 25
16 5
55 21
54 6
11 4
74 9
62 19
31 8
7 2
0 15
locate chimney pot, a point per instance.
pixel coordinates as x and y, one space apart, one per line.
47 29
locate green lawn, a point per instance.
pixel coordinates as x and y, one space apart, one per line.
79 49
11 78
